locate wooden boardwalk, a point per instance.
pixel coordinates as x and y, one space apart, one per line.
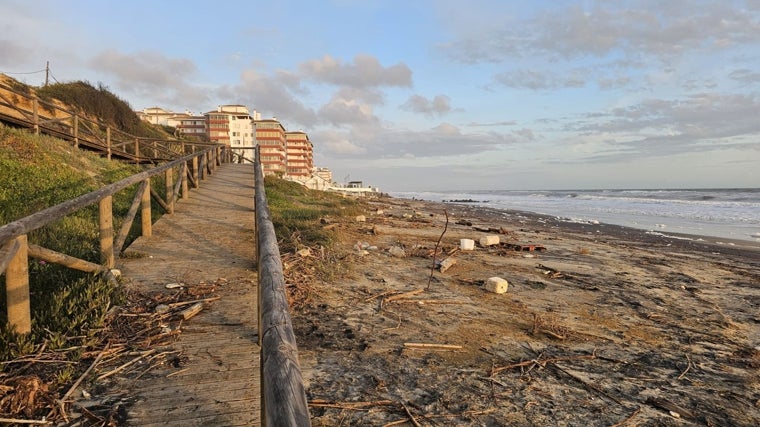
208 240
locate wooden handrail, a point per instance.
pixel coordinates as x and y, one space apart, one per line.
283 396
81 131
15 249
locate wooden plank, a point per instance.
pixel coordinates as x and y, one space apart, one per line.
71 262
218 346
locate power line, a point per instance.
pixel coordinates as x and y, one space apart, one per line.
29 72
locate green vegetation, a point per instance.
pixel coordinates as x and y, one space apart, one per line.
100 102
296 212
37 172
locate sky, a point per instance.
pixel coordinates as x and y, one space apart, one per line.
436 95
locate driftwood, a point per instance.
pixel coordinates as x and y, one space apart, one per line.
433 346
191 311
403 295
79 381
183 303
435 253
662 403
429 301
126 365
18 421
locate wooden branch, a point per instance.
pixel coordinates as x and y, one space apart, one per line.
429 301
419 345
662 403
183 303
354 406
688 366
79 380
381 294
435 251
630 417
404 295
411 417
542 363
124 366
18 421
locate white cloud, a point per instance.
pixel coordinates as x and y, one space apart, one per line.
439 105
365 71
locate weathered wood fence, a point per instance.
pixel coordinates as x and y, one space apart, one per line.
25 109
15 250
283 397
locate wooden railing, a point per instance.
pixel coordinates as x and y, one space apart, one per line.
25 109
15 248
283 397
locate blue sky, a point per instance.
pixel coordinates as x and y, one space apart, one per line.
438 95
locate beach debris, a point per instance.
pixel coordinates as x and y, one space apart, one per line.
174 285
524 247
446 264
191 311
304 252
361 218
437 245
496 285
667 405
551 272
466 244
489 241
464 222
431 346
397 251
379 212
162 308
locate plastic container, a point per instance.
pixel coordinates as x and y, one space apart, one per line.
466 244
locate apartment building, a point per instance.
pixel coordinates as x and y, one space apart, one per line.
299 157
193 126
232 125
270 136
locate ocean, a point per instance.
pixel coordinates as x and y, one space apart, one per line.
732 213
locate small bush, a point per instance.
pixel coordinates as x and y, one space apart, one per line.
295 211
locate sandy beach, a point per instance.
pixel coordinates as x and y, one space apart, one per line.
601 325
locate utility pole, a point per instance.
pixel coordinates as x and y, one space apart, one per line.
47 72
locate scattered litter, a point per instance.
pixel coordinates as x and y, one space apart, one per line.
497 285
467 244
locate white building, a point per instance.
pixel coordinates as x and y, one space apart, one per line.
232 125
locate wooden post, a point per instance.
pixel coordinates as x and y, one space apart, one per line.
17 288
36 115
75 130
183 177
146 221
202 170
105 206
108 142
137 148
169 181
195 172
